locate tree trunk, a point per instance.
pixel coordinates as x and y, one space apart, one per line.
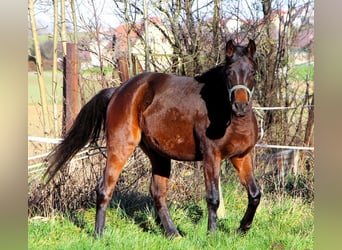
192 47
54 69
63 28
147 47
39 68
216 38
129 49
308 140
74 20
99 43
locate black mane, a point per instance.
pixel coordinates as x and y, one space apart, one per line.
215 95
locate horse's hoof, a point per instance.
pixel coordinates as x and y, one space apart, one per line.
175 236
97 235
178 237
242 231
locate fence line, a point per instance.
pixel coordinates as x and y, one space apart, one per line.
37 156
256 145
282 108
58 140
44 139
34 166
285 147
37 165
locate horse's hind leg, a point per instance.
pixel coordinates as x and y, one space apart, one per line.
161 168
117 154
244 167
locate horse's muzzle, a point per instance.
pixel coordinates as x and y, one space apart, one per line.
240 108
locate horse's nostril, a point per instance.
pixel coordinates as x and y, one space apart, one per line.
240 108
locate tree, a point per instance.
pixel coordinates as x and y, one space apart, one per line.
197 33
216 49
55 68
39 69
277 41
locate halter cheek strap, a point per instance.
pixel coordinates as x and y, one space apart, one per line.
239 86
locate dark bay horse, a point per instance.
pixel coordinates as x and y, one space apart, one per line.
205 118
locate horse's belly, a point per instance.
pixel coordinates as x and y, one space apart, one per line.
170 133
177 148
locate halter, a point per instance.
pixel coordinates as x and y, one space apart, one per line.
239 86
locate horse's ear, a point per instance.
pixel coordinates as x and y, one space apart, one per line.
230 48
251 47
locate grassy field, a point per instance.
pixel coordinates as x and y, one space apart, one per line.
33 87
281 223
35 118
302 72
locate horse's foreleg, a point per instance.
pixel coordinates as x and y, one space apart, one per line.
244 167
211 175
161 168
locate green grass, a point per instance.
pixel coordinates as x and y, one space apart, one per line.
281 223
302 72
33 87
34 92
96 71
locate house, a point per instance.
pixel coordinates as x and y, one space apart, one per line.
159 47
93 49
300 29
234 24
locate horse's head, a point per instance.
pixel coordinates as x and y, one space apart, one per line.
240 71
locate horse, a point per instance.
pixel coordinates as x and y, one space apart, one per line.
205 118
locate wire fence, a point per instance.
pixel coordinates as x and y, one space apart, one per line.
38 164
74 186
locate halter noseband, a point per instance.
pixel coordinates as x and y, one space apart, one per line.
239 86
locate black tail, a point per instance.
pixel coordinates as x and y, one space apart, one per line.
86 128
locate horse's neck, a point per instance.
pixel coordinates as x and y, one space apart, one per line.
212 76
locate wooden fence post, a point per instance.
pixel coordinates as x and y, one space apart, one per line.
221 210
71 89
